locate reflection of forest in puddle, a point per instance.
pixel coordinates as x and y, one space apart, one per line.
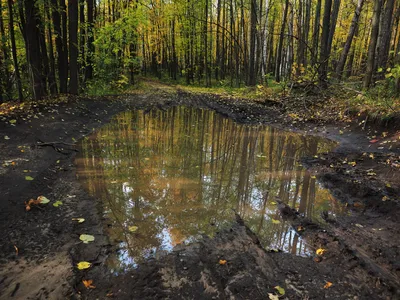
176 174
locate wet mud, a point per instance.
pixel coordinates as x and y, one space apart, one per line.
40 248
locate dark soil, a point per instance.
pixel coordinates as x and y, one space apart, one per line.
39 249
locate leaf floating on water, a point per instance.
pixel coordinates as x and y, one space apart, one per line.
83 265
273 296
43 200
133 228
222 262
86 238
80 220
275 221
88 284
328 285
57 203
29 178
320 251
280 290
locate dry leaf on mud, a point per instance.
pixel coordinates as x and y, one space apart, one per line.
80 220
83 265
133 228
320 251
273 296
222 262
88 284
57 203
39 200
328 285
280 290
86 238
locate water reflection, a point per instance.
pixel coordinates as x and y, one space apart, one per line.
177 174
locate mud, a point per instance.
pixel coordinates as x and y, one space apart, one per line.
39 249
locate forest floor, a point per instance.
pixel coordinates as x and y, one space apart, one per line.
40 248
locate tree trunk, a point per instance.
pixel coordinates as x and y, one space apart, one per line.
62 61
52 74
385 34
372 44
280 45
5 86
314 55
349 40
253 35
33 46
73 46
324 54
90 40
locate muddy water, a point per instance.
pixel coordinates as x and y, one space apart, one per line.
169 177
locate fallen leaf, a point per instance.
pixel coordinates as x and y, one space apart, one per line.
374 141
300 228
43 200
222 262
57 203
328 285
352 163
359 226
385 198
133 228
280 290
29 178
273 296
273 202
86 238
80 220
110 295
88 284
83 265
340 131
275 221
6 137
13 121
320 251
313 177
357 204
16 250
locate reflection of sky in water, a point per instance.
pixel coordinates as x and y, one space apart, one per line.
178 174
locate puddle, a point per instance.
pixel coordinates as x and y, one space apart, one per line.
177 175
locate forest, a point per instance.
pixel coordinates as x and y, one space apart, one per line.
56 46
198 149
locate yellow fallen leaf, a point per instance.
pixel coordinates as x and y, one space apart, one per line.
222 262
328 285
320 251
84 265
133 228
300 228
275 221
280 290
86 238
80 220
88 284
273 296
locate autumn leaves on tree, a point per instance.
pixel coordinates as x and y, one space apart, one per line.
58 46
